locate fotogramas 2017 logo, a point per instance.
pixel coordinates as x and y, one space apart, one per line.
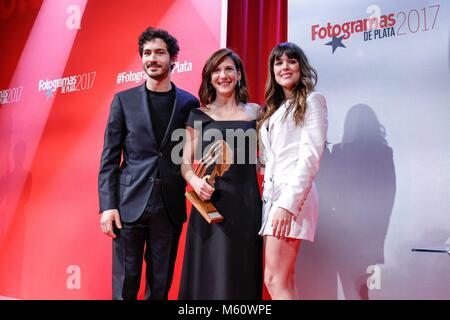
377 25
10 95
68 84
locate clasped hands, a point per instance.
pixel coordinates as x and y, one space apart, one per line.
202 188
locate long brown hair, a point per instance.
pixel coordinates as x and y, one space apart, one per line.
274 95
207 93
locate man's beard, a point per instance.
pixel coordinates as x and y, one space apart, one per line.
162 75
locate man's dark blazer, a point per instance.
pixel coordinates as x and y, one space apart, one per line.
126 185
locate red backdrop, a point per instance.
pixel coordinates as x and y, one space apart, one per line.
50 141
51 246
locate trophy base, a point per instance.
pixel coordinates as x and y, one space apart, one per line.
206 208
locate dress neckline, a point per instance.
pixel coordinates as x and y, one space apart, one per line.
223 120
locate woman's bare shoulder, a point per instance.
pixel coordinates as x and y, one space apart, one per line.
253 109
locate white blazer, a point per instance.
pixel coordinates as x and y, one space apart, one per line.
291 155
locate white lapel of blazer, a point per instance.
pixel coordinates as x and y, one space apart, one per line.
275 122
264 136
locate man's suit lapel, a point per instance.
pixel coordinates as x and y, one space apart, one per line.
173 118
145 112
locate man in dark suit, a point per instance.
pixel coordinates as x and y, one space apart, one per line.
142 196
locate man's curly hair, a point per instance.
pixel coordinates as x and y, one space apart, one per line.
151 33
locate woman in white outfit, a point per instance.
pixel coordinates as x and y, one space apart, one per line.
292 132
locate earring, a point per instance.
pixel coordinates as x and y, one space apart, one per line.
239 83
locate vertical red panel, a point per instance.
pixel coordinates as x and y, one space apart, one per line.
253 29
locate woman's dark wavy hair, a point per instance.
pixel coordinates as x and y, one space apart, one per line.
207 93
151 33
274 95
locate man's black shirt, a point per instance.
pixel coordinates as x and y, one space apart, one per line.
161 106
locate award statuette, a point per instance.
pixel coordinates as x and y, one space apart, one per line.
220 156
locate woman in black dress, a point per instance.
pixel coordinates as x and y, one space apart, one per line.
224 260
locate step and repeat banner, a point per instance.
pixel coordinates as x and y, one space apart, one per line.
62 61
384 183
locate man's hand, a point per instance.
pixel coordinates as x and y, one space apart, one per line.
106 222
